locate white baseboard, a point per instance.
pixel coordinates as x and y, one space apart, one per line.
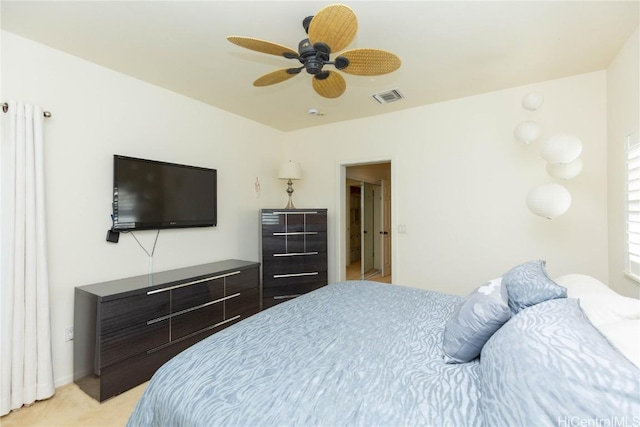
59 382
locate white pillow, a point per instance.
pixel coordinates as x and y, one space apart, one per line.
601 304
617 317
625 335
603 309
580 284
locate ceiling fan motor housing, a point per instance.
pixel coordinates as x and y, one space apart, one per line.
312 60
314 66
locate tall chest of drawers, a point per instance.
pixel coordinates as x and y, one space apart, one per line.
294 253
126 329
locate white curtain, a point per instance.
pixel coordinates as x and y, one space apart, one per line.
26 369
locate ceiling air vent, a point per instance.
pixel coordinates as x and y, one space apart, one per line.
388 96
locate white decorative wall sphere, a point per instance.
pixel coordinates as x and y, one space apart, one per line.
549 200
527 132
565 171
561 149
532 101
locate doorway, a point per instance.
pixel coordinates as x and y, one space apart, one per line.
368 223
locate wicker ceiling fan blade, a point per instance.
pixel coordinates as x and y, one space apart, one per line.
274 77
370 62
331 87
263 46
335 25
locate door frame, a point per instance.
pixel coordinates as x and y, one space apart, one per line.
385 226
342 213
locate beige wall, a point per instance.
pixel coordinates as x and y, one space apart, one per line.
623 115
460 180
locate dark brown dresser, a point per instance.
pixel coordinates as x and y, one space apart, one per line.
124 330
294 253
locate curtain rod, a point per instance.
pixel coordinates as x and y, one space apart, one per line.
5 108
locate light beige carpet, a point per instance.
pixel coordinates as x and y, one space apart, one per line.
70 406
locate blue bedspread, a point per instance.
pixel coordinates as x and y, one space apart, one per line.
351 353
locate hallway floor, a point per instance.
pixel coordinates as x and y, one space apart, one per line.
353 273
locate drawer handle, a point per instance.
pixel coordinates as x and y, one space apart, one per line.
281 276
294 213
195 282
286 296
296 233
297 254
187 310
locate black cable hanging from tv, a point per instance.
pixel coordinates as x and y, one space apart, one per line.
150 255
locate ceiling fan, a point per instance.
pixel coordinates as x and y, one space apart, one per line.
329 31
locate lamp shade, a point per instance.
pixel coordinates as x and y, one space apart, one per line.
561 149
290 170
532 101
527 132
549 200
565 171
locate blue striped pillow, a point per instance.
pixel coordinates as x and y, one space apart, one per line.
549 365
528 284
473 322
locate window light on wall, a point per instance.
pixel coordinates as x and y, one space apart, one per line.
633 205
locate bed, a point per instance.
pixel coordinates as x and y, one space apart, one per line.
367 353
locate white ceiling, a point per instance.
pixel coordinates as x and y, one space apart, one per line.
449 49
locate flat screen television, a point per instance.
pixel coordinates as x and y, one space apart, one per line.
149 194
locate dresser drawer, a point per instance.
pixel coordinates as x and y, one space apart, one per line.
270 302
296 279
196 295
298 288
138 338
291 221
315 241
316 222
132 312
195 320
245 280
247 301
282 265
130 325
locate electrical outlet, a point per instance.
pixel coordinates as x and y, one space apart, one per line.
68 333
